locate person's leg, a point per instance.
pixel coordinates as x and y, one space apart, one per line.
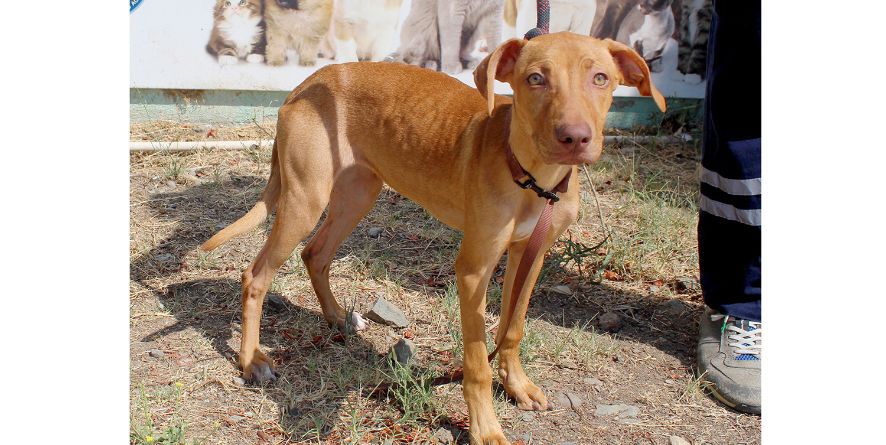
730 207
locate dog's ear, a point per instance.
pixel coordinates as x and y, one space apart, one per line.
497 66
634 71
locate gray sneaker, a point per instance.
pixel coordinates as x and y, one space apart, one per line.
729 356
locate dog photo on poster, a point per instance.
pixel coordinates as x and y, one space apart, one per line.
273 45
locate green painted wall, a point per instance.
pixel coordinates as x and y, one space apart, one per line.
236 106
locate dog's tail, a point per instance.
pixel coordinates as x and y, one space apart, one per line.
254 216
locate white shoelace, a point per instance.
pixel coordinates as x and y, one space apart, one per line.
744 342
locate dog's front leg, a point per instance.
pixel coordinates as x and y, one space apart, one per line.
527 395
473 268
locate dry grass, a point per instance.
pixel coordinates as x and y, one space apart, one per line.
186 304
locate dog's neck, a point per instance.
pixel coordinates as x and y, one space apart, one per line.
547 176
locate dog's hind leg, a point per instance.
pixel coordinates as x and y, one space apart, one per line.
353 195
297 214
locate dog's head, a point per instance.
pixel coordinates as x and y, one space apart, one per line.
563 85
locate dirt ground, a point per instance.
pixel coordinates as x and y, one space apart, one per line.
631 384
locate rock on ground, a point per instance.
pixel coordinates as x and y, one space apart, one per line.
404 350
156 353
677 440
610 322
443 436
385 312
619 410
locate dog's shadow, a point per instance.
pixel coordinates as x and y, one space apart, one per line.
318 367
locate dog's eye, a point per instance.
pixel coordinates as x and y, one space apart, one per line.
227 4
535 79
242 2
600 79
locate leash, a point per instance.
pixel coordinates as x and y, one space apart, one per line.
524 180
543 14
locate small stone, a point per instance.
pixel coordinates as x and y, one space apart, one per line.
235 419
164 258
220 226
619 410
386 313
239 381
527 416
156 353
574 400
610 322
672 308
404 350
443 436
669 381
562 289
249 414
160 305
653 289
276 302
687 285
562 400
677 440
592 381
170 184
374 232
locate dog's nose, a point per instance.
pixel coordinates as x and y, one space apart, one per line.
573 136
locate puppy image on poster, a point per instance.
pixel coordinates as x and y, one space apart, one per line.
296 24
363 29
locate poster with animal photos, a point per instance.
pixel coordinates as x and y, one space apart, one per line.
274 45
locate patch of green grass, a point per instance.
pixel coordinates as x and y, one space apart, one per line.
174 169
450 304
411 390
658 214
144 428
216 177
590 345
531 343
695 386
206 260
493 295
259 155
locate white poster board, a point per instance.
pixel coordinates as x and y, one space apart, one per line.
168 40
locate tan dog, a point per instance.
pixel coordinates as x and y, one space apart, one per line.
350 128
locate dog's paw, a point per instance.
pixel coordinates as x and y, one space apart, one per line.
262 373
495 438
528 396
260 370
255 58
357 322
227 60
